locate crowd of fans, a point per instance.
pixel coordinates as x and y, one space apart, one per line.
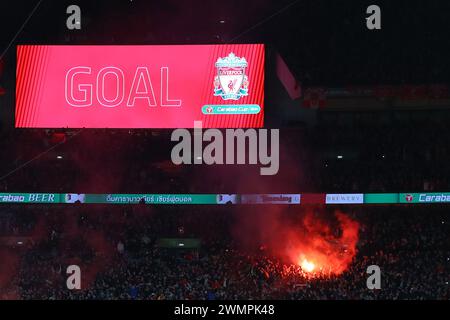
117 246
116 249
358 152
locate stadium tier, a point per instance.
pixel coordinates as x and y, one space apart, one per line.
224 150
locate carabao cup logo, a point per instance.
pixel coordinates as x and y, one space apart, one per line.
226 198
73 198
231 82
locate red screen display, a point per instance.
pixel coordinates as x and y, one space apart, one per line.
140 86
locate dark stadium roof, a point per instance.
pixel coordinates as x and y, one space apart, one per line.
324 42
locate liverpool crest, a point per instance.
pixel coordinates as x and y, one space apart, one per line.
231 82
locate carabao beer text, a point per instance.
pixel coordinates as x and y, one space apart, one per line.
85 87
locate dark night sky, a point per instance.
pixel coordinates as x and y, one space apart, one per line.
324 42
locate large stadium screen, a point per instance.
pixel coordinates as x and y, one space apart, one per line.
140 86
